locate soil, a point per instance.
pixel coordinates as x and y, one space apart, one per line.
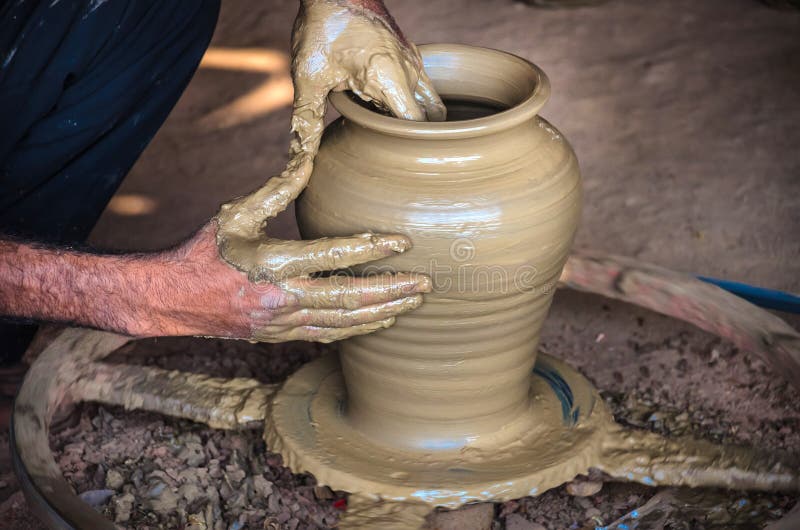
684 116
148 471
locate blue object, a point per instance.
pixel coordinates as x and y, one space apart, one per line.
768 298
569 412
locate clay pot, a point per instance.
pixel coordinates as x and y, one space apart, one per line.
491 205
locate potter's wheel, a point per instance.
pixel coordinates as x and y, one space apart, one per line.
303 416
548 445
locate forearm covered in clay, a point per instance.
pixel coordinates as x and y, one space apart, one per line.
101 291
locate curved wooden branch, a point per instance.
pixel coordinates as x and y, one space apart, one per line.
219 403
686 298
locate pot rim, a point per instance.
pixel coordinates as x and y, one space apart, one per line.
522 111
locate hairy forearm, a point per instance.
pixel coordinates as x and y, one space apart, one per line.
102 291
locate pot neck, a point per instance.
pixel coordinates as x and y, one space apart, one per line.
466 73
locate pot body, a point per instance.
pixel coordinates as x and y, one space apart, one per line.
491 216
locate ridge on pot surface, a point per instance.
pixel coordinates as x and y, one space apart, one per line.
491 77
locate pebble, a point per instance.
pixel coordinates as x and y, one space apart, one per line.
263 487
162 499
274 504
196 521
323 493
96 498
123 505
236 502
235 474
114 479
584 488
193 454
190 492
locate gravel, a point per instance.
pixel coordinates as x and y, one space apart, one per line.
664 377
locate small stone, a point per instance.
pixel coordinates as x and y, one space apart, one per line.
284 516
162 499
96 498
225 491
114 479
123 505
212 449
190 437
583 488
592 512
263 487
235 474
274 504
136 477
213 495
191 492
470 517
236 502
192 453
196 521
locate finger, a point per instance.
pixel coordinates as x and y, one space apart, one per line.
344 318
318 334
244 218
426 94
286 259
429 99
341 292
396 89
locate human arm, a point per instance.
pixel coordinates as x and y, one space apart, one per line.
189 290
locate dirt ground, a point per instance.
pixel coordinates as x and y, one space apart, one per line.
686 121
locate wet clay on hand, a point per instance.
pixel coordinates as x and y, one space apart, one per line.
336 46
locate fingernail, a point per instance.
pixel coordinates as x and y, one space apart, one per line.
397 243
424 284
413 302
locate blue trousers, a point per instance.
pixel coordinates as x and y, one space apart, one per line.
84 86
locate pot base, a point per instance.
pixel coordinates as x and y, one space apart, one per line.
561 435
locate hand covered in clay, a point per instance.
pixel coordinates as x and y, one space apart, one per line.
203 295
356 45
337 45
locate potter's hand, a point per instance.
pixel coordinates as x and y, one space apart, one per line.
213 299
356 45
338 44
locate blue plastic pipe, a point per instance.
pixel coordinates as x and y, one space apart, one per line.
769 298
